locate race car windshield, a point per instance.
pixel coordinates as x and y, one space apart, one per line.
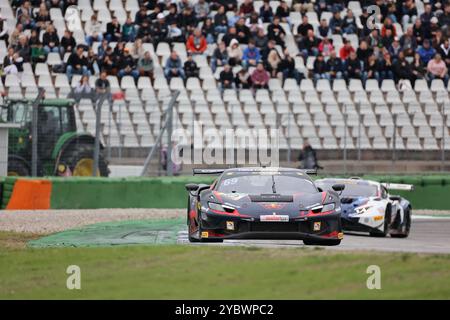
353 190
266 184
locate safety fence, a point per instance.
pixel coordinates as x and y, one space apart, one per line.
430 192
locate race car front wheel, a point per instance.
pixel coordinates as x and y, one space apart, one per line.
331 242
387 220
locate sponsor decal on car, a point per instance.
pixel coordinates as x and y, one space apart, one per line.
274 218
317 226
230 225
205 234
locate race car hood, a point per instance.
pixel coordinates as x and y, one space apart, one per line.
254 205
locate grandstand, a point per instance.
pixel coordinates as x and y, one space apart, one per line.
359 111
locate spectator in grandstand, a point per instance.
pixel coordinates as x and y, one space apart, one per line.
93 29
349 23
403 69
159 30
77 63
172 16
444 18
408 42
141 15
364 52
68 43
137 51
374 40
304 27
209 31
23 48
113 29
273 60
128 31
283 12
12 63
387 39
42 18
261 39
303 5
266 12
353 68
408 12
444 51
83 90
190 67
260 77
325 47
219 57
38 54
146 66
201 9
364 29
221 20
50 40
251 55
438 39
426 51
308 156
371 68
234 53
335 67
246 8
243 79
196 43
26 20
324 30
276 32
419 31
388 25
145 32
101 49
309 45
102 84
336 23
243 32
419 67
287 68
226 77
395 48
3 30
254 23
187 20
320 69
92 61
230 35
426 16
437 69
174 67
127 66
109 62
175 34
346 50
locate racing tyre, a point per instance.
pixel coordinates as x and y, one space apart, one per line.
17 168
404 229
80 160
332 242
384 233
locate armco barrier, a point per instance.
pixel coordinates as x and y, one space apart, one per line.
431 192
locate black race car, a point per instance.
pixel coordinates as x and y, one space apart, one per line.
263 203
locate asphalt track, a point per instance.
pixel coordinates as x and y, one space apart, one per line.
428 235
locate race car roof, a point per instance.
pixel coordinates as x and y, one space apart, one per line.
254 170
348 181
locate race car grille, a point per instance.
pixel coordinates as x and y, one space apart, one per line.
274 227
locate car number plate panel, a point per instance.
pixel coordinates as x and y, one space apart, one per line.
274 218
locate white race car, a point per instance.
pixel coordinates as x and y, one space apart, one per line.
367 206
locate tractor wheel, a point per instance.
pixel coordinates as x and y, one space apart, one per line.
17 168
80 160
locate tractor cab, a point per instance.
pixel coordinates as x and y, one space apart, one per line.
57 136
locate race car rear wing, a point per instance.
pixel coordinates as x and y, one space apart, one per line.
398 186
220 171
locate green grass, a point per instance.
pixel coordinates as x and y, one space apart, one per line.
209 272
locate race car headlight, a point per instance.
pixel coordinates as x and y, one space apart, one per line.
215 206
220 207
328 207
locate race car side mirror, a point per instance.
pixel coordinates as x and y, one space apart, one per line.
338 187
191 187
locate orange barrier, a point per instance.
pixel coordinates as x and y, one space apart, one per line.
30 194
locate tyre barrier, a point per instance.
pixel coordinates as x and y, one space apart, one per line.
430 192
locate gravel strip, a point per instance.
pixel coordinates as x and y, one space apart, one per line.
49 221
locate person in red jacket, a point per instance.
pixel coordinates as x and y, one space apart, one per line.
346 50
196 43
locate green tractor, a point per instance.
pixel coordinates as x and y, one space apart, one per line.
61 149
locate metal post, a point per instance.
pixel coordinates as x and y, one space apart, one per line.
119 127
359 130
160 135
289 138
394 140
109 131
34 132
444 125
169 139
345 138
98 112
